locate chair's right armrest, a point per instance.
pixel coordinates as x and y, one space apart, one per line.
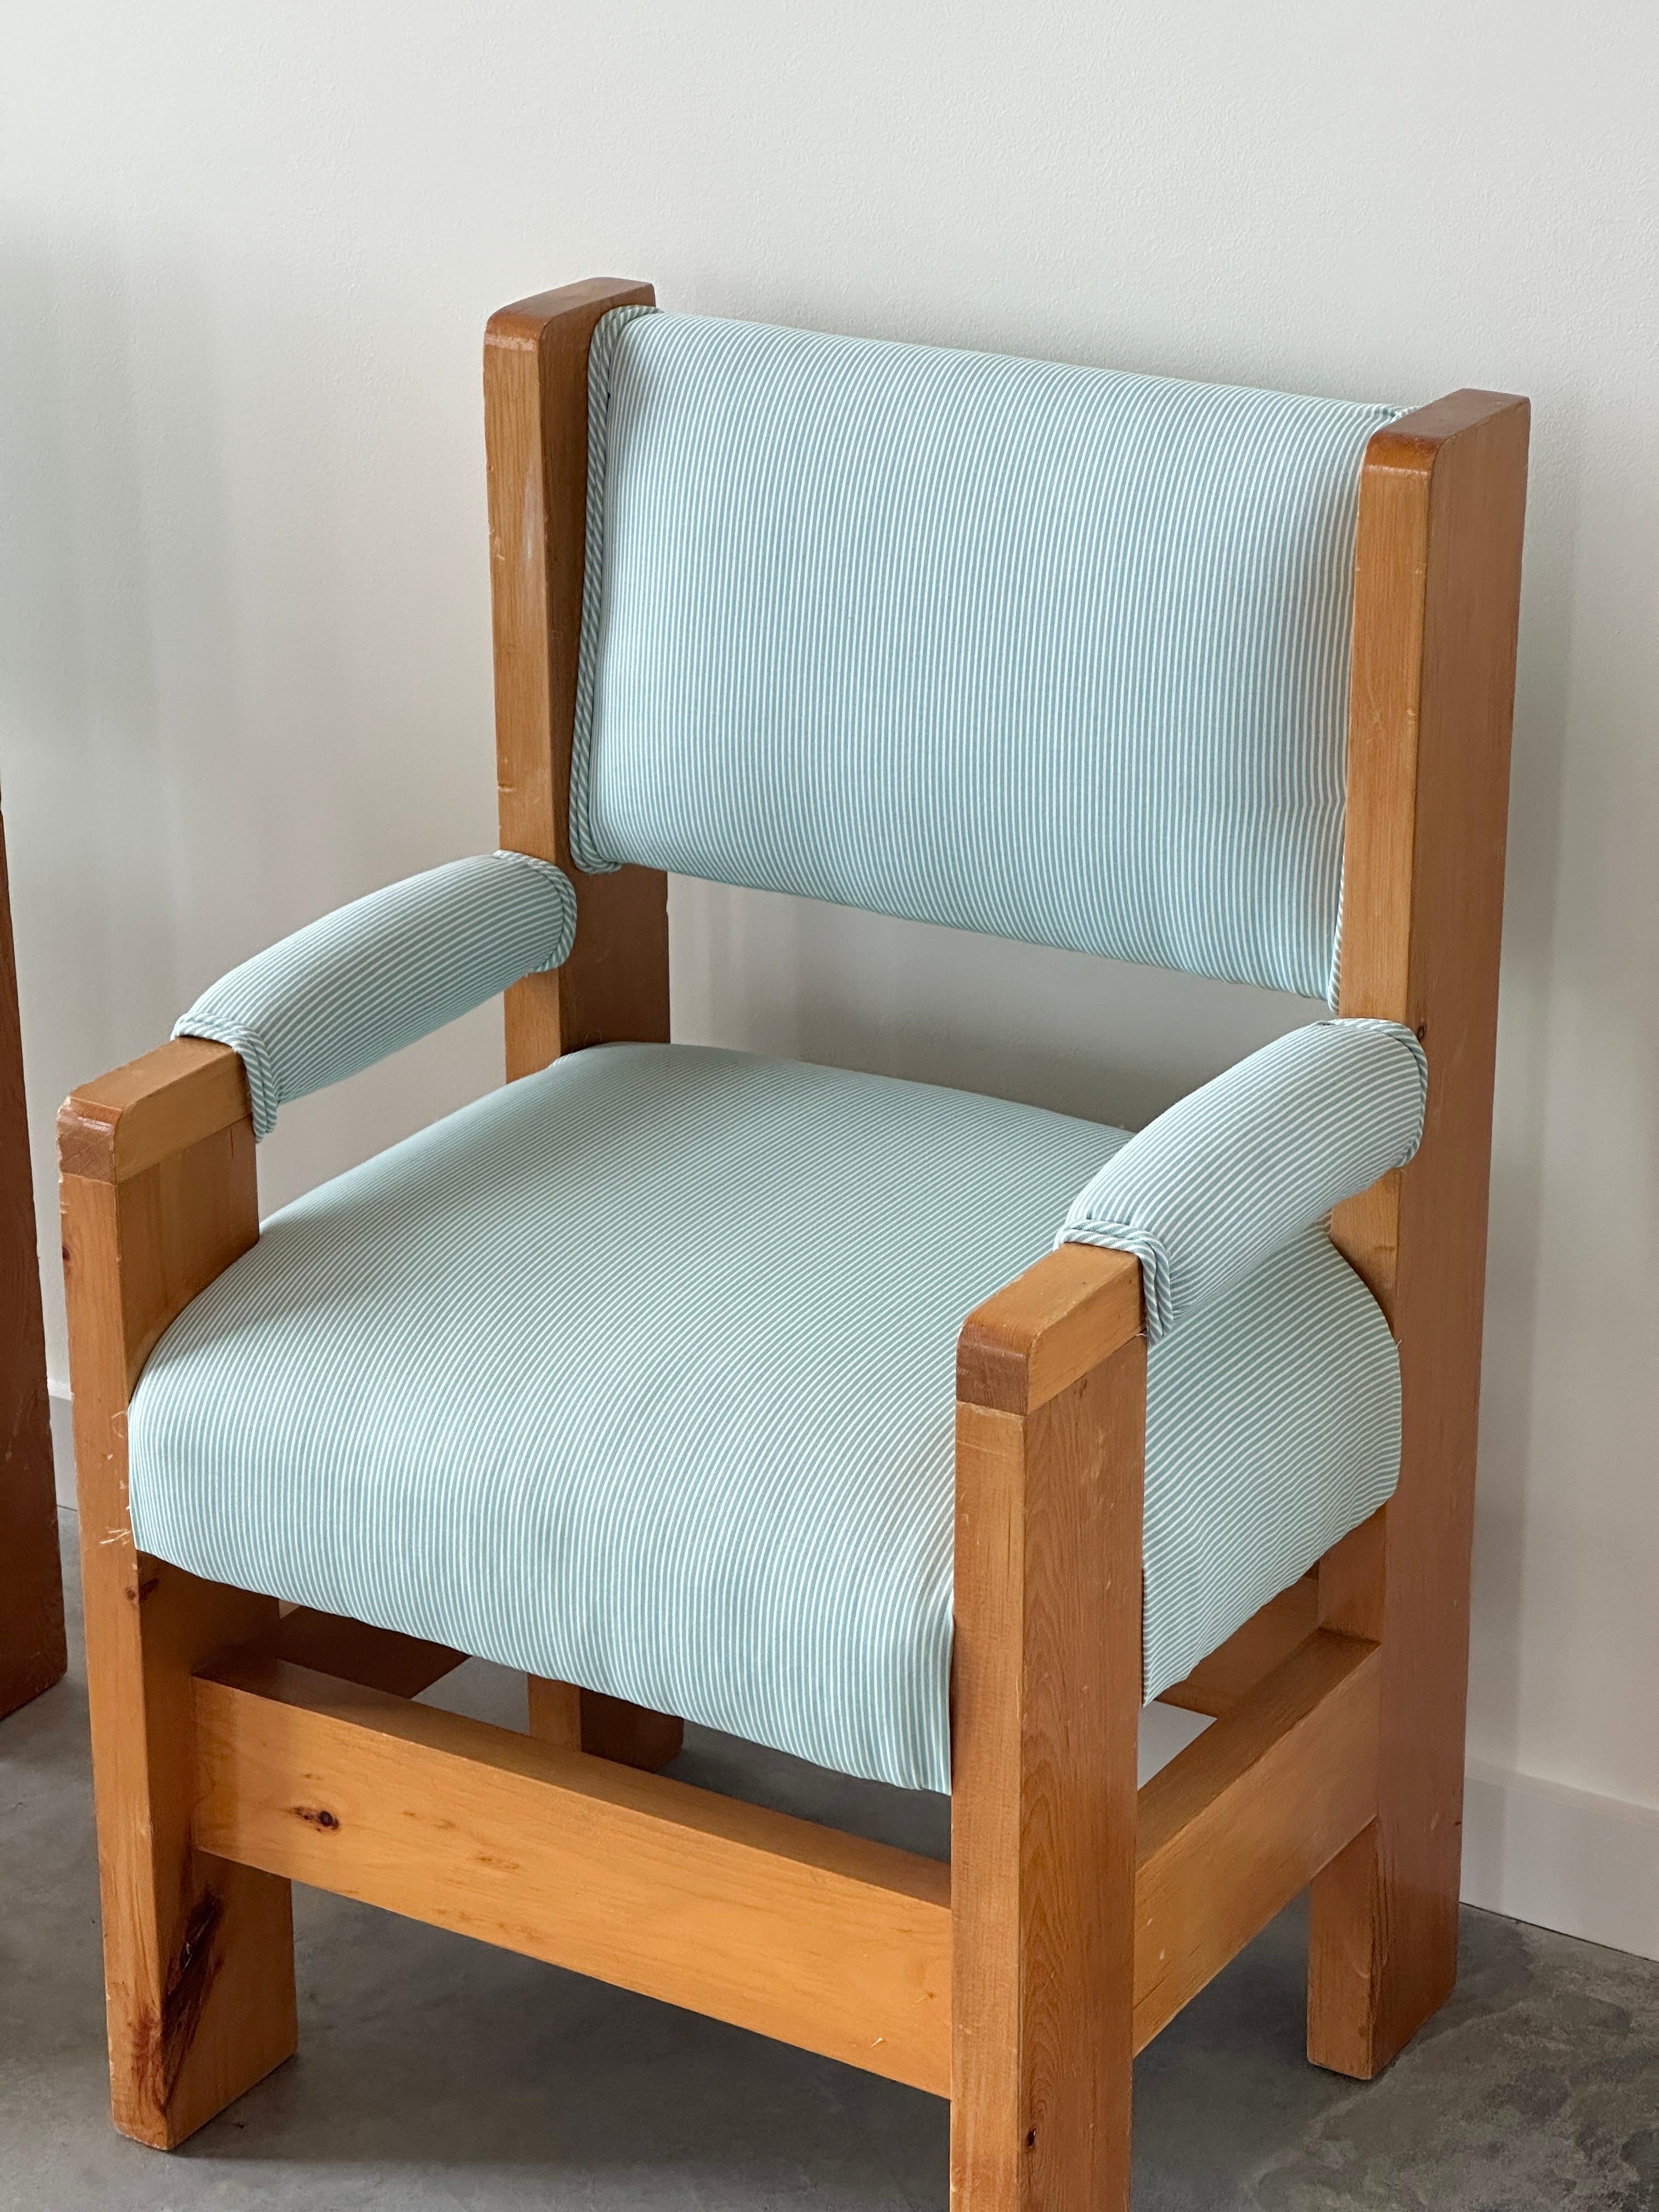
135 1117
1229 1173
1069 1311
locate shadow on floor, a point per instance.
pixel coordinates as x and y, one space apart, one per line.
435 2074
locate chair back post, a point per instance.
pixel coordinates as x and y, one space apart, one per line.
614 984
1437 597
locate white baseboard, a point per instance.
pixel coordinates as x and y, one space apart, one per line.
1533 1850
1562 1858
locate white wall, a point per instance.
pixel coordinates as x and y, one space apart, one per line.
246 257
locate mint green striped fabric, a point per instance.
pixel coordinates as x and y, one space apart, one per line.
342 992
1050 653
1234 1170
639 1373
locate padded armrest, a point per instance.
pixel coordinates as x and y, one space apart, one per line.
1204 1194
373 977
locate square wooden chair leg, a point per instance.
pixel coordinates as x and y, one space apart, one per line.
608 1727
1438 579
1046 1703
1383 1921
198 1953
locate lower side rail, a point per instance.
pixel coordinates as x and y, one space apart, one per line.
794 1930
819 1938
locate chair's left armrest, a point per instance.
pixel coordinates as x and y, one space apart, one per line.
1230 1173
159 1196
112 1129
370 978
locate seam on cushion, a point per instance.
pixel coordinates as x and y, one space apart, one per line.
1334 975
1412 1048
264 1096
1155 1274
1334 978
566 896
1397 1034
601 358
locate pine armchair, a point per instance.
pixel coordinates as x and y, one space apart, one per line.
636 1374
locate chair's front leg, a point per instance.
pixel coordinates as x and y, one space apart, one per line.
1046 1703
198 1954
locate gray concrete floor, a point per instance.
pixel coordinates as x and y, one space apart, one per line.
435 2074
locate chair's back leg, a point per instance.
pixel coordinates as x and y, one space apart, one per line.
606 1728
198 1954
1437 589
614 987
1047 1697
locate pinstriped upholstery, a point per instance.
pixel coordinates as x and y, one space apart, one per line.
345 991
639 1373
1234 1170
1046 652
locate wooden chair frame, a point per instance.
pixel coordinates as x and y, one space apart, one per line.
237 1750
33 1651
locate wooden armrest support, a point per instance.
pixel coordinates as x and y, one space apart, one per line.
114 1127
159 1196
1076 1307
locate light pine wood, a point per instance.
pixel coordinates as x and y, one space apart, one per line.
614 987
818 1936
606 1727
1046 1328
555 1712
198 1953
1251 1653
833 1943
1046 1701
152 1109
1077 1920
33 1651
1242 1818
1439 567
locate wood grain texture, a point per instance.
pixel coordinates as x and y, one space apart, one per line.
1042 1332
1046 1693
554 1711
33 1653
198 1953
606 1728
831 1942
1268 1638
1437 584
151 1110
614 987
1248 1813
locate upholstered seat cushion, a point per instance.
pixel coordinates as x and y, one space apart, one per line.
639 1374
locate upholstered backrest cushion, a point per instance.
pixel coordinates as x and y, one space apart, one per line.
1048 651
